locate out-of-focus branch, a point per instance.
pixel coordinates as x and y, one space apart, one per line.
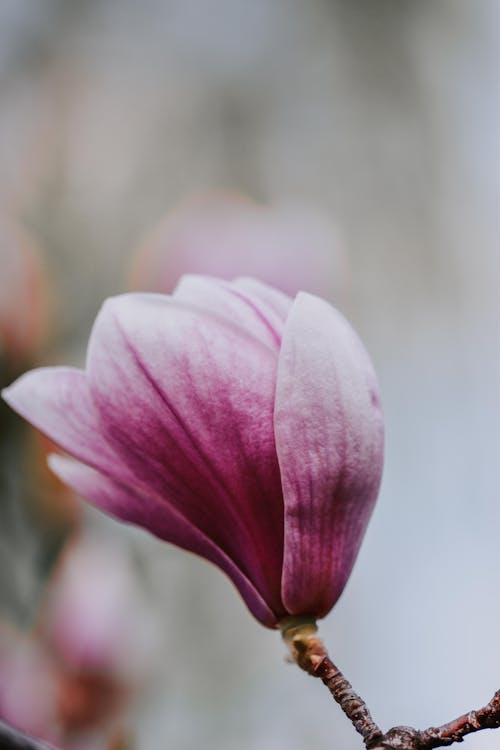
11 739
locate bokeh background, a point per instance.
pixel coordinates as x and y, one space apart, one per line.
383 118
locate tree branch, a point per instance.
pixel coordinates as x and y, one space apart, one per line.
307 650
11 739
454 731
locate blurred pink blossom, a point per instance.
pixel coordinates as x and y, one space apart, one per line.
227 235
72 679
92 615
23 295
232 421
28 684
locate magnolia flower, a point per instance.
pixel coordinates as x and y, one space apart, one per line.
228 235
232 421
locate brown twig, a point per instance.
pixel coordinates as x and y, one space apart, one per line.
307 650
454 731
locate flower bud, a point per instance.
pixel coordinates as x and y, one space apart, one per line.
232 421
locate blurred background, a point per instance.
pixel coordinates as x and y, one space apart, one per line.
367 135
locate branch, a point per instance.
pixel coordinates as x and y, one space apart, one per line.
308 652
454 731
11 739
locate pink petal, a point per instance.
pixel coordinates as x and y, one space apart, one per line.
329 438
153 514
240 303
57 401
195 423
